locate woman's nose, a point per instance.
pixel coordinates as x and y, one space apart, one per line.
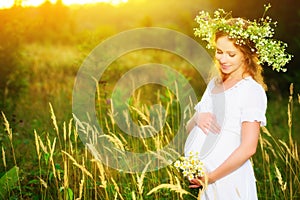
222 58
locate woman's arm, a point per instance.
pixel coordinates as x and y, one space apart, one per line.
247 148
191 123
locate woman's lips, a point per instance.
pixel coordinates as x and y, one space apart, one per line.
225 67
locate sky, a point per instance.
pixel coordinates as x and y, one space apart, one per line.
10 3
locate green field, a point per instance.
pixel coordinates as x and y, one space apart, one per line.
42 156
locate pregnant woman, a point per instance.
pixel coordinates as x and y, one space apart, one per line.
226 125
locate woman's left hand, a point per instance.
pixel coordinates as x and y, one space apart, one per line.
197 182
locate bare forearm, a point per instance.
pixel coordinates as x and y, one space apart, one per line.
191 124
247 148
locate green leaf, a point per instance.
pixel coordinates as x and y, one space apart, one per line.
46 157
8 181
70 194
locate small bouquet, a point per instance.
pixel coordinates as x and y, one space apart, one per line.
190 166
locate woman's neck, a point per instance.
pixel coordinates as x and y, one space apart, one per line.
234 77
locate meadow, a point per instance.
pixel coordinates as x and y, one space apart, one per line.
43 157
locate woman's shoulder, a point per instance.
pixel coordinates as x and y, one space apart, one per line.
251 90
212 82
252 85
253 94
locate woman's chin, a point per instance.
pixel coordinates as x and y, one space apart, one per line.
225 71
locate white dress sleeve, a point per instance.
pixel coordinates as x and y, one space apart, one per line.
254 104
205 104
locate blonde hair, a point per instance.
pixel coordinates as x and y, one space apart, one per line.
252 67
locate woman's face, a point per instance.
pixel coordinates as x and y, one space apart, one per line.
230 58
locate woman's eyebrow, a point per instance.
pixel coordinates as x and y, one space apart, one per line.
229 51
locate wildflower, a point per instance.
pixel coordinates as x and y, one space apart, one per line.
190 166
260 33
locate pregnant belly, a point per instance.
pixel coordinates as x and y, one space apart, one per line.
226 144
194 141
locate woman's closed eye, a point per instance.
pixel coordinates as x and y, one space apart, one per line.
219 52
231 54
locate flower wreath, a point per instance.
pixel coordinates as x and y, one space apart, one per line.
259 32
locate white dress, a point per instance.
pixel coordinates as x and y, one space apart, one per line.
245 101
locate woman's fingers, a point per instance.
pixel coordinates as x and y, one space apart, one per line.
214 128
204 128
194 186
211 126
207 122
194 183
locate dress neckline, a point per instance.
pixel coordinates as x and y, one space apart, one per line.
232 87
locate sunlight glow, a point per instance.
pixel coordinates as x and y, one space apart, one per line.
114 2
10 3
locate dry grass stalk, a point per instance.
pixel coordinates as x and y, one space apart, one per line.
173 187
70 127
133 195
140 179
102 173
66 174
81 184
81 167
10 136
3 157
7 127
37 145
279 177
117 188
43 183
53 117
170 176
52 148
141 114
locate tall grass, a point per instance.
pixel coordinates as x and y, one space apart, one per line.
278 166
63 168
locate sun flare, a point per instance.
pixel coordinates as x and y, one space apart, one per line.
10 3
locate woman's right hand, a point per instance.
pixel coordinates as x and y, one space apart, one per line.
207 122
